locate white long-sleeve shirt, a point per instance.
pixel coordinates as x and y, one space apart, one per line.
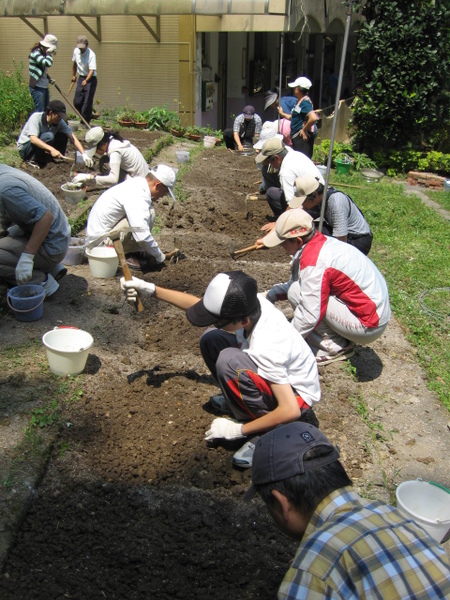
131 200
296 164
123 156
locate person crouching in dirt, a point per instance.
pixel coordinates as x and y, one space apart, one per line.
350 547
265 370
246 127
339 296
343 219
128 206
125 160
45 135
37 232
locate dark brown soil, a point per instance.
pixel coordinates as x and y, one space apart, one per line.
137 506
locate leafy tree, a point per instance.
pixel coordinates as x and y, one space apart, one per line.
403 72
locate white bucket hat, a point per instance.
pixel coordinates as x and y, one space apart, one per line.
50 41
269 130
166 176
92 138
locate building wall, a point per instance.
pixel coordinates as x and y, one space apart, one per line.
133 67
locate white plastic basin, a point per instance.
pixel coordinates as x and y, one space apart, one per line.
103 261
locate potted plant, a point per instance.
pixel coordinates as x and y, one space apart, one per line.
344 163
125 116
218 133
175 128
140 120
194 133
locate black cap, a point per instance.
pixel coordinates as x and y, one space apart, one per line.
59 108
279 454
229 295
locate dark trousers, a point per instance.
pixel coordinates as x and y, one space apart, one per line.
277 201
84 97
362 242
58 141
301 145
228 138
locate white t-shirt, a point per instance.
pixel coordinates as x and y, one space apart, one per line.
281 354
123 156
296 164
131 200
85 62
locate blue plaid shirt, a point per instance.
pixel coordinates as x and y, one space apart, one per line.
354 548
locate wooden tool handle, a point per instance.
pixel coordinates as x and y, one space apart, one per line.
244 250
126 270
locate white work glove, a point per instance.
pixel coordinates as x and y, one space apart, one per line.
161 258
135 286
110 242
225 429
87 160
24 268
81 177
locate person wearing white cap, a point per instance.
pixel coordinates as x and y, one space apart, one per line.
246 127
289 165
343 298
128 206
125 160
266 372
84 63
39 60
303 117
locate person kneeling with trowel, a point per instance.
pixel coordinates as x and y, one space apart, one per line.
129 207
266 371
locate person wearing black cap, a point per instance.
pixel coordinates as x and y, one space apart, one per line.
350 547
45 135
84 63
265 370
246 127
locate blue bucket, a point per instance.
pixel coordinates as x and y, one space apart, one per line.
26 301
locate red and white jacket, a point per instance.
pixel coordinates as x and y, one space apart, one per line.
330 267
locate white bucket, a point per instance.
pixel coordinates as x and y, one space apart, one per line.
73 195
182 156
209 141
322 169
75 252
426 502
67 349
103 261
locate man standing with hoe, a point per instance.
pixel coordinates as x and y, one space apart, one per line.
85 64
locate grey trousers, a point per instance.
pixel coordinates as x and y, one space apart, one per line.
10 250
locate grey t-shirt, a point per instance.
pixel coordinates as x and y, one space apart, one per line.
344 216
37 125
24 201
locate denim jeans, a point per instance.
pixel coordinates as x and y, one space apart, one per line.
41 98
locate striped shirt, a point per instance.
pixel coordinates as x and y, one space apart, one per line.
37 66
357 549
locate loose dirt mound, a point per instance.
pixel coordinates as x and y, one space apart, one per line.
137 506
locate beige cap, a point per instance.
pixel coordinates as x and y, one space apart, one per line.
304 186
271 147
291 224
92 138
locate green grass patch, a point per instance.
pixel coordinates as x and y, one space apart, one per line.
442 197
410 247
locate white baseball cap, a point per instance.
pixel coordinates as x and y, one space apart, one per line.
93 138
302 82
166 175
269 130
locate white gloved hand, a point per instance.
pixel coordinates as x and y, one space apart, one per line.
24 268
81 177
225 429
131 288
162 258
87 160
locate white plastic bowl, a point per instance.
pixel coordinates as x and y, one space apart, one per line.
427 503
67 349
103 261
182 156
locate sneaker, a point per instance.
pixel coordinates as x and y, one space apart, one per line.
32 164
50 286
133 263
220 405
343 354
243 458
59 272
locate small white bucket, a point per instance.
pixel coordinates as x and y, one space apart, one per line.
426 502
209 141
75 252
103 261
67 349
73 195
182 156
322 169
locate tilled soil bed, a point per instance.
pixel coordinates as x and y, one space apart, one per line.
137 505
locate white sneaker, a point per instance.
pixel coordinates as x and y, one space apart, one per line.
50 285
244 456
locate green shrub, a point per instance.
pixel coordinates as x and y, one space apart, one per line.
16 103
